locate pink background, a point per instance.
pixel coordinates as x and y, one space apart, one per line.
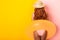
53 10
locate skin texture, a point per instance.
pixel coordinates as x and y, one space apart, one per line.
53 10
38 36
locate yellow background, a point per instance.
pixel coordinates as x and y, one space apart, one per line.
15 16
